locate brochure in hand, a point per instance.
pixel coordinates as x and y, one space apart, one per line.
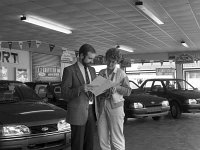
100 84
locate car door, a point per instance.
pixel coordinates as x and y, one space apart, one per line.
158 88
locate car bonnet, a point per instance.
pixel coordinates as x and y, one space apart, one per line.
145 98
30 113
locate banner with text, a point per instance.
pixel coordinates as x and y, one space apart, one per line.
47 73
165 71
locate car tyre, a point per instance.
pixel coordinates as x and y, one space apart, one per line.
175 110
156 118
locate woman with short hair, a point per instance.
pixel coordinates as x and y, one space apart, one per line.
111 104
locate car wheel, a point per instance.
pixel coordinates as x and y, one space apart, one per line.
175 110
156 118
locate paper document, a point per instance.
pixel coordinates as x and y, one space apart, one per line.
100 84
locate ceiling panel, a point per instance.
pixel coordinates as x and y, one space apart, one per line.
104 24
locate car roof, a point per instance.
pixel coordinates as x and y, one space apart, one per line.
9 81
161 79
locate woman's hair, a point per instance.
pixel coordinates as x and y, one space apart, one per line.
113 53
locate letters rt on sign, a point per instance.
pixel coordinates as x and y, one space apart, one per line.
9 57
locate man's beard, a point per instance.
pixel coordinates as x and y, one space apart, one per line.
85 64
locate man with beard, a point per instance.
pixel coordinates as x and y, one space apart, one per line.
80 107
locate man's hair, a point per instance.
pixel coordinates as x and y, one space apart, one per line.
85 48
113 53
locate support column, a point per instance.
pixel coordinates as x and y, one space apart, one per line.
179 71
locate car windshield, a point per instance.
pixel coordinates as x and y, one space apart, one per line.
15 92
178 85
29 94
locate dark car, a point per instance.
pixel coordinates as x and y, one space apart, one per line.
50 90
182 96
26 122
140 105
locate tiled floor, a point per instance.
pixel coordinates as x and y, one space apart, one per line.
166 134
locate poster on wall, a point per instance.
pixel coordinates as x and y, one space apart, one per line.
3 73
47 73
22 75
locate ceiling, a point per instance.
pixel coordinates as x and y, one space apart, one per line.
103 24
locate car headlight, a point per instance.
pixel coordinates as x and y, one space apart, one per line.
165 103
15 130
192 101
137 105
63 125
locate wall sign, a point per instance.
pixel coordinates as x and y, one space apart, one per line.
67 56
47 73
22 75
9 57
3 73
99 60
165 71
184 58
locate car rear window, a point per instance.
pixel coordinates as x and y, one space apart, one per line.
8 93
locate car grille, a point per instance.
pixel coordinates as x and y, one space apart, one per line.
43 128
154 109
154 105
59 143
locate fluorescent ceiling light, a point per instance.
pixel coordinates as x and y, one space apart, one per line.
145 10
46 23
125 48
184 44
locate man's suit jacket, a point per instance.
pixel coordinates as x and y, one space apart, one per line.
78 101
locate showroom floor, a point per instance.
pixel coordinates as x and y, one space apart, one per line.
166 134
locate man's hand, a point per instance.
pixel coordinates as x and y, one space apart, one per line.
87 87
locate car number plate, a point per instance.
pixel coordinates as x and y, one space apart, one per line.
153 109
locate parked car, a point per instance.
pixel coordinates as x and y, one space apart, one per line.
140 105
182 96
50 90
26 122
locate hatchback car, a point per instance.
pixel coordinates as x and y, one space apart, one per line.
140 105
26 122
182 96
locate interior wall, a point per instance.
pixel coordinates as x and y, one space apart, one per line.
23 62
